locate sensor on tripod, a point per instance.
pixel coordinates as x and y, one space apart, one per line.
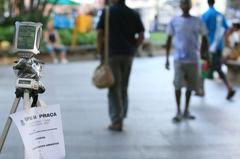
27 83
27 39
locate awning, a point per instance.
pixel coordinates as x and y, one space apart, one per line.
83 1
71 2
63 2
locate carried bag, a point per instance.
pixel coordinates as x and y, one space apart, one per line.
205 69
103 77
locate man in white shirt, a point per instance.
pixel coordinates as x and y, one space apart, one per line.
186 30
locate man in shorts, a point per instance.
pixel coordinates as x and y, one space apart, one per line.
186 30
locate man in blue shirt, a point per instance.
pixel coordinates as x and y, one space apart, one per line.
186 30
217 26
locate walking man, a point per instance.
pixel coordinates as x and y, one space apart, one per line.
124 25
186 30
217 27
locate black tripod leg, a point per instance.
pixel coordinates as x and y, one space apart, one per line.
8 123
35 100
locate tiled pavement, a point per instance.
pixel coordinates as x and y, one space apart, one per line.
148 133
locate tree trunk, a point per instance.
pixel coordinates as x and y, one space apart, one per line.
31 5
56 1
21 6
38 5
1 9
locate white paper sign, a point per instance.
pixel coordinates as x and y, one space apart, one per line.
41 132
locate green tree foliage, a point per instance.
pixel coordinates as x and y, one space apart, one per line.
6 33
17 10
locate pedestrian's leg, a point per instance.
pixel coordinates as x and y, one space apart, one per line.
231 91
192 81
218 68
52 53
202 86
115 108
201 91
114 97
186 111
115 102
53 57
224 78
178 100
63 58
178 116
126 70
178 84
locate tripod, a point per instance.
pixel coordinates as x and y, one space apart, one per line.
26 94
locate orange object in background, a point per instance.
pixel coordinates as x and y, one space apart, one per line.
234 54
83 23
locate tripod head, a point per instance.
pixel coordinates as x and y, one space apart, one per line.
28 72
